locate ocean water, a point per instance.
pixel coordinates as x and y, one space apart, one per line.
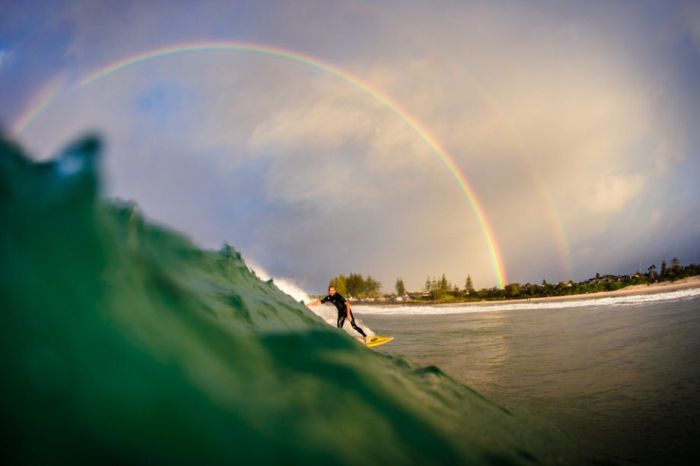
620 375
122 342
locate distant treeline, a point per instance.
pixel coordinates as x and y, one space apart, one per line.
442 290
593 285
357 286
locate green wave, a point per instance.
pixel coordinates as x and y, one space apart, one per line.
123 342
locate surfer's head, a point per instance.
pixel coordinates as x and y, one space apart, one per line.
331 290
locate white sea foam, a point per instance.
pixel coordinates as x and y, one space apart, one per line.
470 308
326 312
285 285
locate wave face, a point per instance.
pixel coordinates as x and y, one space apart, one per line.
470 308
123 342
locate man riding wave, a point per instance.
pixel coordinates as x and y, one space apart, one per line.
344 311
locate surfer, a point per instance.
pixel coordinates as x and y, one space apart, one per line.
343 307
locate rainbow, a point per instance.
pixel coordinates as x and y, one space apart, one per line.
550 210
557 230
444 156
37 104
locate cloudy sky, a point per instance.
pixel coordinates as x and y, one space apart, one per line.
575 124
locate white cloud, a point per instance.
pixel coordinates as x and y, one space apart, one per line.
667 155
613 192
336 116
324 125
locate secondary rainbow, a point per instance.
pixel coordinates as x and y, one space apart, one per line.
549 208
384 99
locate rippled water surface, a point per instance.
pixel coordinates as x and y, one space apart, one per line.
623 378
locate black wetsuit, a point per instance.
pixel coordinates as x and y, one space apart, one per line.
339 303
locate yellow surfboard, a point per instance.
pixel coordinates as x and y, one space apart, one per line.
378 340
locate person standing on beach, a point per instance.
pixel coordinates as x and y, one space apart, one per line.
343 307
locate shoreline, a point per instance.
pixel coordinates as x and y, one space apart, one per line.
633 290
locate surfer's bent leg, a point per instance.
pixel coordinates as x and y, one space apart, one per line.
341 320
354 325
